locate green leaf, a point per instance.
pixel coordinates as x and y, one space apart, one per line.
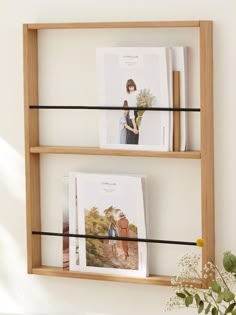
206 297
220 297
234 312
200 307
197 299
188 300
215 287
207 310
228 295
214 311
181 295
189 294
229 262
230 308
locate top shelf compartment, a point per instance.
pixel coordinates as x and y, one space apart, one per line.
81 90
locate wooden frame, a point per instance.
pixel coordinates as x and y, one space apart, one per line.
33 148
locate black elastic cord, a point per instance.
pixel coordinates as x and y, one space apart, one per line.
104 237
168 109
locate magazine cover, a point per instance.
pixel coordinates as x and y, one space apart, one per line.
111 205
134 77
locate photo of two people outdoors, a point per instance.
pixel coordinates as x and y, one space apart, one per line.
110 253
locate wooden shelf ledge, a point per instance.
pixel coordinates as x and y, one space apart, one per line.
60 272
115 152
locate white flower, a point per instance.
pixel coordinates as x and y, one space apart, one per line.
189 261
185 282
188 265
226 279
174 302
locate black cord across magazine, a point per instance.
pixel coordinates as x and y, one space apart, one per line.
168 109
104 237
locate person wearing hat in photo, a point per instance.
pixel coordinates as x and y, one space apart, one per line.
123 225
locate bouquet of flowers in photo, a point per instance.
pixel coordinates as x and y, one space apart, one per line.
144 100
218 298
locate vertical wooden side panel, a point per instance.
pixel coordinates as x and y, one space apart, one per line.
176 104
32 139
207 139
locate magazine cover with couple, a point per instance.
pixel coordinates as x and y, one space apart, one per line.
107 205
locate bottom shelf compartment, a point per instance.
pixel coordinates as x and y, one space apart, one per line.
60 272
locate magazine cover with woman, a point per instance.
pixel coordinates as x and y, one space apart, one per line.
134 77
110 205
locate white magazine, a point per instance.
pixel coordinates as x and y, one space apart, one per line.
109 204
74 258
170 82
147 68
65 227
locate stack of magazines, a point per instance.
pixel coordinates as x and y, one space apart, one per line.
110 206
142 78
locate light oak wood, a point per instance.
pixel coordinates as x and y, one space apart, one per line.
59 272
176 115
31 139
207 140
137 24
33 148
115 152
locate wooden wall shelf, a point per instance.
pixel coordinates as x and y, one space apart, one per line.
59 272
115 152
33 149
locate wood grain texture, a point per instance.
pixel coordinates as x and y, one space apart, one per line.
33 149
59 272
31 139
137 24
114 152
176 115
207 140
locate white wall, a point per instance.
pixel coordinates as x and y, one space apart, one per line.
27 294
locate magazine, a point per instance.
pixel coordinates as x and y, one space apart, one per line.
74 257
170 87
109 205
134 77
65 229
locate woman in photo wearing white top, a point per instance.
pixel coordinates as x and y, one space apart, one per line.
132 92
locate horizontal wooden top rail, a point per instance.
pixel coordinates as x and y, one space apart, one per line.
59 272
137 24
114 152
